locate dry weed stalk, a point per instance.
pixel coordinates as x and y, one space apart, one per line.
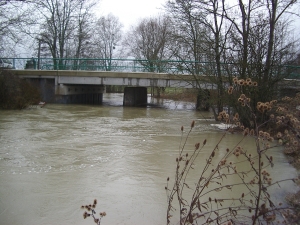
90 212
198 202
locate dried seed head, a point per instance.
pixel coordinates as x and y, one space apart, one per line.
246 131
193 124
102 214
279 135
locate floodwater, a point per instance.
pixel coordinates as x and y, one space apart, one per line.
57 158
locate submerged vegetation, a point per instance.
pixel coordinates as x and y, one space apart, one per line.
16 93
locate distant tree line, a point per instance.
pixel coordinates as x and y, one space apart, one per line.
244 39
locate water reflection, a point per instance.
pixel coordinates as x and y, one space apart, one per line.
56 158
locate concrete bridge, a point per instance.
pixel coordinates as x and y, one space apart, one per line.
80 86
77 86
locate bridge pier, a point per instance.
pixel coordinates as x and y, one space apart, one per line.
135 96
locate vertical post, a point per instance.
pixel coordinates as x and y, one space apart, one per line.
39 55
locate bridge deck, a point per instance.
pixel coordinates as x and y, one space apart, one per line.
145 79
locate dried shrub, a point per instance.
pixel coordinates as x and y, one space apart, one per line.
90 212
199 202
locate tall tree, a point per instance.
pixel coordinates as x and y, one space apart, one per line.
150 40
61 19
260 44
241 37
200 29
106 36
14 17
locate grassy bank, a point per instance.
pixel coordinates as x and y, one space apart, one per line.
176 94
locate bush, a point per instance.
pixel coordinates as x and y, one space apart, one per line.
16 93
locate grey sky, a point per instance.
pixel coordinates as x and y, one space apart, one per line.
130 11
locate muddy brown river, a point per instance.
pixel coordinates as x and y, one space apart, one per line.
57 158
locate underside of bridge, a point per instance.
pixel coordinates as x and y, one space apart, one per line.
79 94
84 94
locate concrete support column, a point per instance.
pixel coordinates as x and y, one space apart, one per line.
135 96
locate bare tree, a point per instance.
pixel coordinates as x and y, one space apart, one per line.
150 40
260 44
106 36
61 20
248 39
14 16
200 31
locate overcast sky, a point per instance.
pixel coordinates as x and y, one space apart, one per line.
130 11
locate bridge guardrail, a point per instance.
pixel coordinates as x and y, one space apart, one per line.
139 65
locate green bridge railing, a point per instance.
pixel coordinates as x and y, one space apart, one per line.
139 65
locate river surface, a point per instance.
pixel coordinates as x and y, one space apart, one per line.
57 158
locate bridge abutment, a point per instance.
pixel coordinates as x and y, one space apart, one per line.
135 96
